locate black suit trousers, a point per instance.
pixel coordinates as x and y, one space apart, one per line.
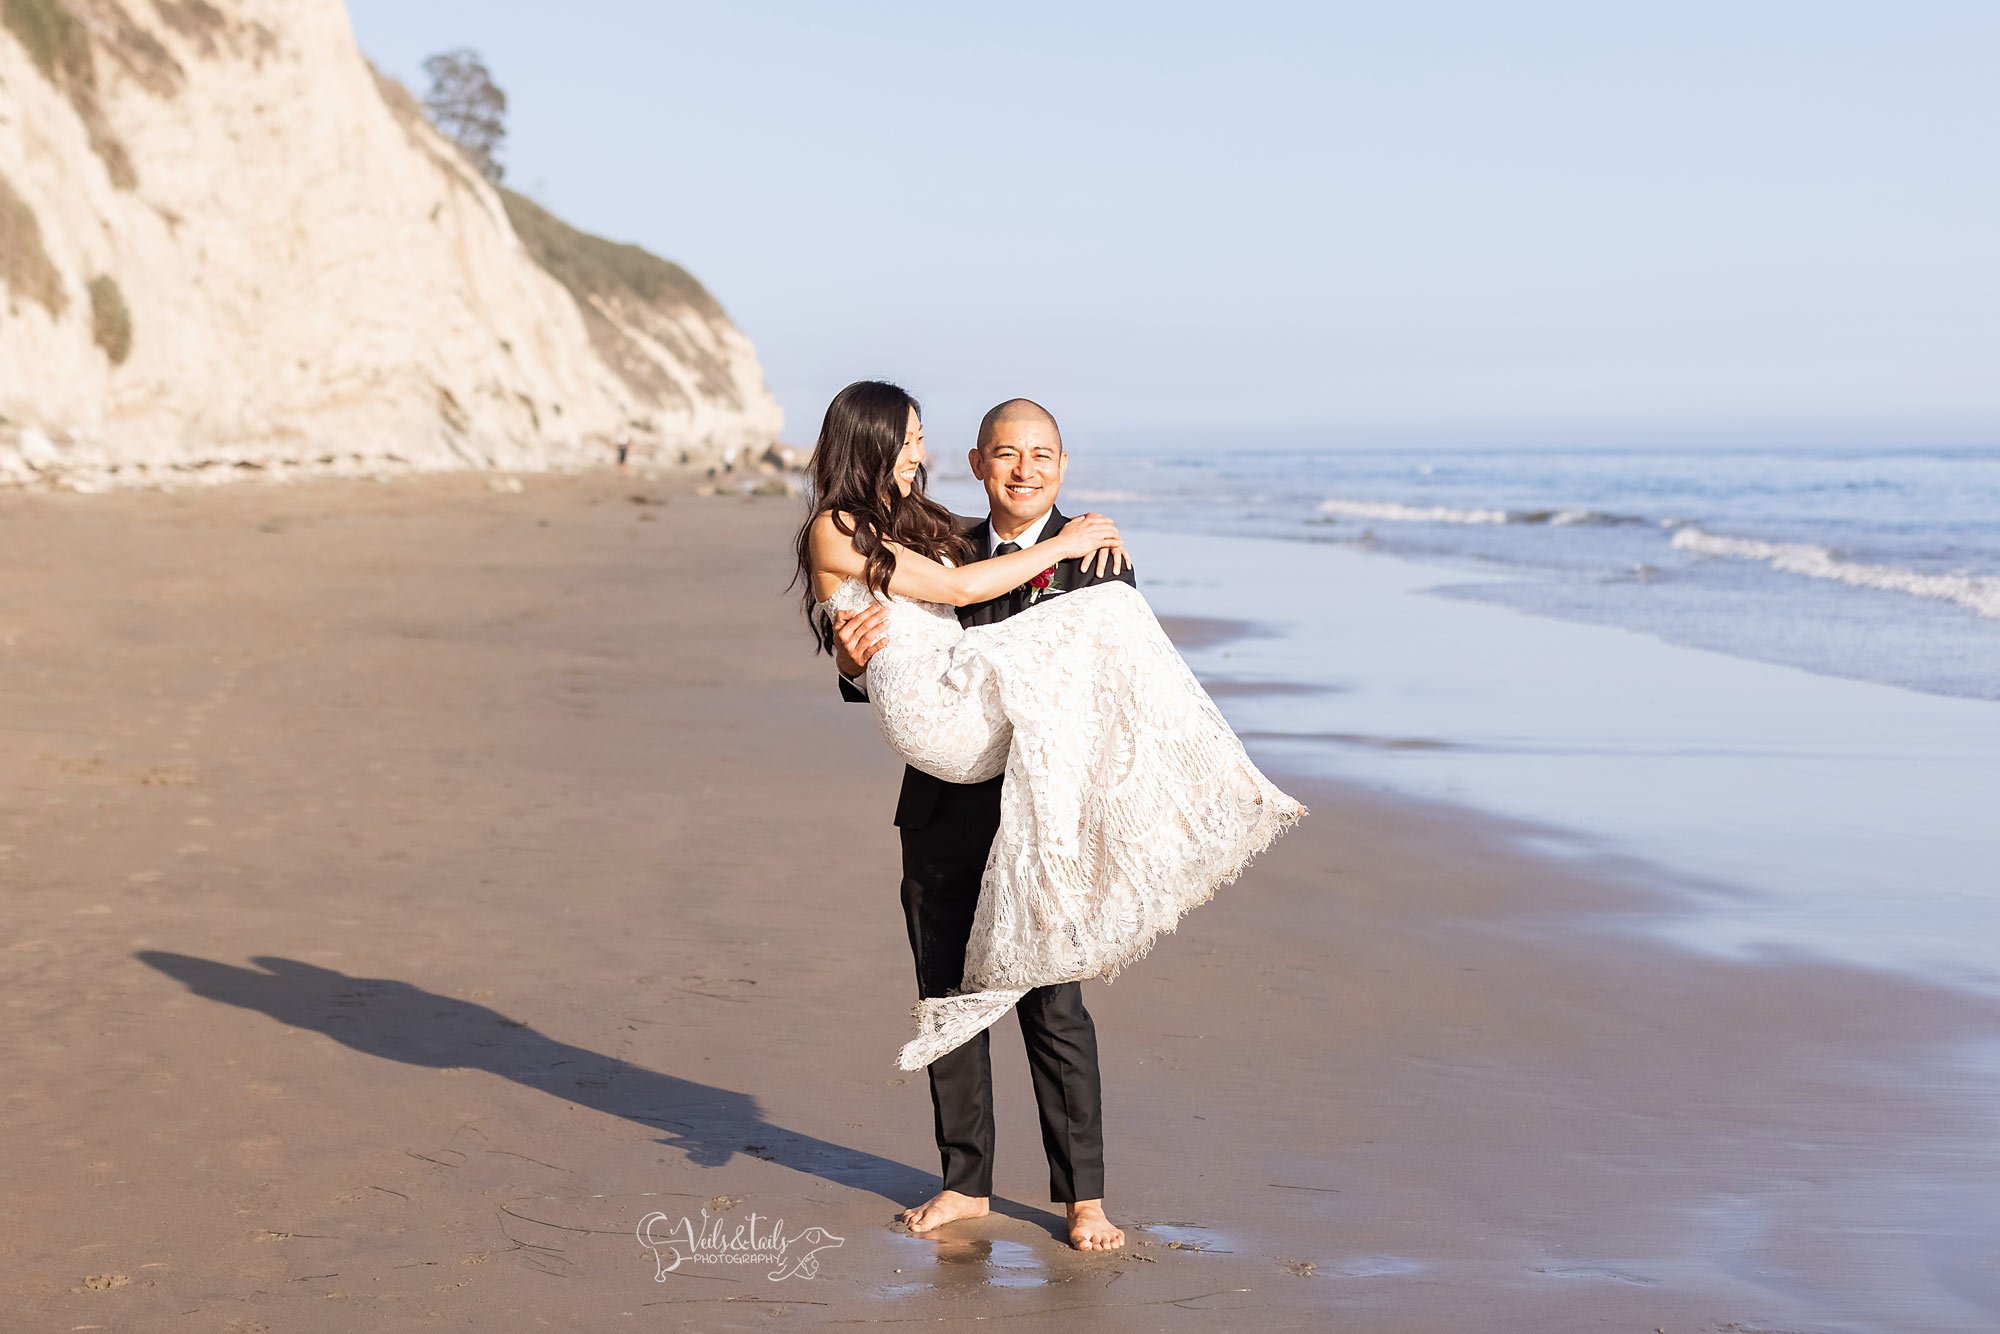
944 858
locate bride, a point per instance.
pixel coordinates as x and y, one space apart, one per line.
1127 798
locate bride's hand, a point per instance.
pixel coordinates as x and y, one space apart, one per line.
1085 534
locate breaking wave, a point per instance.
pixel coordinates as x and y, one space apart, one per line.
1977 592
1393 512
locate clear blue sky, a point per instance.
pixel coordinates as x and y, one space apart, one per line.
1701 222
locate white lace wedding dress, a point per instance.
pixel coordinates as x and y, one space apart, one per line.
1127 798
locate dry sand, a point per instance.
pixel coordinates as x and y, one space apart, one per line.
411 887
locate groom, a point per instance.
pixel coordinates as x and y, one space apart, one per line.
948 829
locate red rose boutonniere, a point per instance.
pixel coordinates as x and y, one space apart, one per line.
1040 582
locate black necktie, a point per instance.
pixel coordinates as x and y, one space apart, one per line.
1006 548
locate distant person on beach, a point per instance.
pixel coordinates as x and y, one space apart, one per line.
1072 790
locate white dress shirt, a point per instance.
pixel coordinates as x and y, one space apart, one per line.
1029 535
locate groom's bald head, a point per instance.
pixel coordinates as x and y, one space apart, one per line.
1020 459
1014 419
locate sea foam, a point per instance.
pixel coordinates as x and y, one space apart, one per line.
1978 593
1389 509
1392 511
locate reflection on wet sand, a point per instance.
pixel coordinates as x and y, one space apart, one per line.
966 1262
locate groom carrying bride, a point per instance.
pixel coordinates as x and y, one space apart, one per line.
947 830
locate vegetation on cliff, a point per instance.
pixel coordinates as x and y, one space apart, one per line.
59 44
110 320
25 268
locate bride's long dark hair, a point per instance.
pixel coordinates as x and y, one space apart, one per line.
853 474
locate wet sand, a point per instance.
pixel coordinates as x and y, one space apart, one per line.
413 887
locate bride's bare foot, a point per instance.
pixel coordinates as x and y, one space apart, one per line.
947 1206
1090 1230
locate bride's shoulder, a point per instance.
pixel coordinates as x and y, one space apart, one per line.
831 552
832 533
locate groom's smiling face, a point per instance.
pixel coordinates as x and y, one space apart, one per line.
1022 465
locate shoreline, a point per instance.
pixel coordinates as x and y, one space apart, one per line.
415 886
1799 812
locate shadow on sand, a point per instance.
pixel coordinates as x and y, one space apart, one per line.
399 1022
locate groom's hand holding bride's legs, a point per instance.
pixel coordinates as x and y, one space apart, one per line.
857 636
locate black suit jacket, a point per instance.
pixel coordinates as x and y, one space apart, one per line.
921 790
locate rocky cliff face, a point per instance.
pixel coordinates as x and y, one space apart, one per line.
227 246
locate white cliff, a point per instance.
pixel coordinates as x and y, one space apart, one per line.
226 247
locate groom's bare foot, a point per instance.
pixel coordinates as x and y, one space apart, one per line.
947 1206
1090 1230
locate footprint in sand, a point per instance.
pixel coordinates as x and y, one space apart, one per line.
102 1282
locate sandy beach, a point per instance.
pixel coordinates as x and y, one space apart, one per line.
412 887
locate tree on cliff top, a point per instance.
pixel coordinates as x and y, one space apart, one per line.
468 107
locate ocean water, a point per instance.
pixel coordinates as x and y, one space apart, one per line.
1770 681
1880 566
